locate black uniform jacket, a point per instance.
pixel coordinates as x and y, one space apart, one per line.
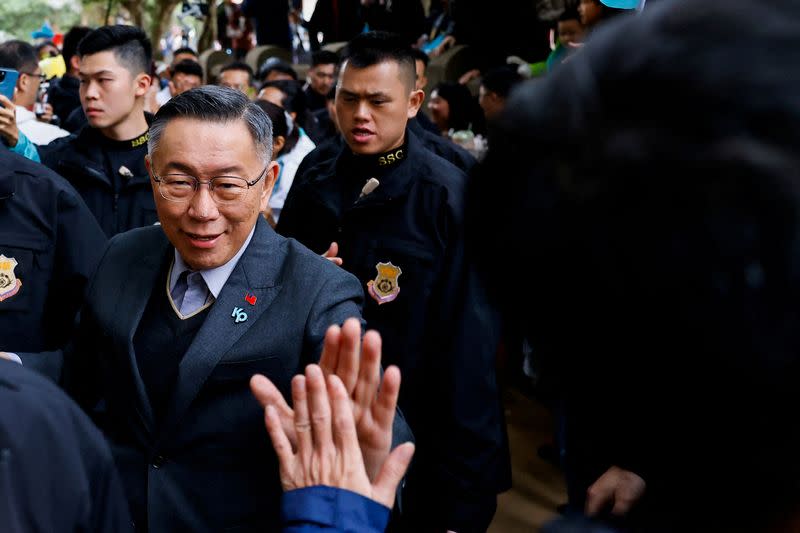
50 245
438 329
56 472
80 159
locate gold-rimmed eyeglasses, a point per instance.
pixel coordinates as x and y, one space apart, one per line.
223 189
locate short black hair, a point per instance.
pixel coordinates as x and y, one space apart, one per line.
129 44
324 57
274 64
420 55
500 80
185 50
372 48
71 40
188 66
18 55
239 65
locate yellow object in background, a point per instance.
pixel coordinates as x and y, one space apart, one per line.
53 67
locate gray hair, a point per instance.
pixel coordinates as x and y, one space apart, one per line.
215 104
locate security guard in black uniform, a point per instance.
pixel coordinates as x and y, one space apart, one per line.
56 471
50 245
104 161
396 211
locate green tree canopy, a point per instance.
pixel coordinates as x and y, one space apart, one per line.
19 18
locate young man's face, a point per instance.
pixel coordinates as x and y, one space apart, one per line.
373 105
322 78
570 32
109 92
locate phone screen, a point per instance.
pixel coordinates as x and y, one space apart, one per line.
8 80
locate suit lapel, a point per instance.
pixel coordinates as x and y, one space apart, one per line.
135 295
255 275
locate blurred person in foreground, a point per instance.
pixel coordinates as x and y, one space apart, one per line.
650 211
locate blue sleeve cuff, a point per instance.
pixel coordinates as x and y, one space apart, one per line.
26 148
331 509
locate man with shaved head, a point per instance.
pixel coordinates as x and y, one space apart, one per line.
393 210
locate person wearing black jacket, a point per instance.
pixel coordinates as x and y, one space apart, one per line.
49 247
654 242
63 94
395 209
56 469
104 160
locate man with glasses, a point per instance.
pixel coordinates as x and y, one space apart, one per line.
20 56
181 316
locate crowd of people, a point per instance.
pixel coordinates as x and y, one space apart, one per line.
212 286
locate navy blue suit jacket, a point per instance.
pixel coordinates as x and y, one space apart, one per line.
209 466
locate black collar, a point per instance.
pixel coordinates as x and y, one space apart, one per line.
91 136
375 164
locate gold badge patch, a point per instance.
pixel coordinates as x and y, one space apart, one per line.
384 287
9 284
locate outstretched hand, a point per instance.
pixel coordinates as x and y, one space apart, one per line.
373 402
327 442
